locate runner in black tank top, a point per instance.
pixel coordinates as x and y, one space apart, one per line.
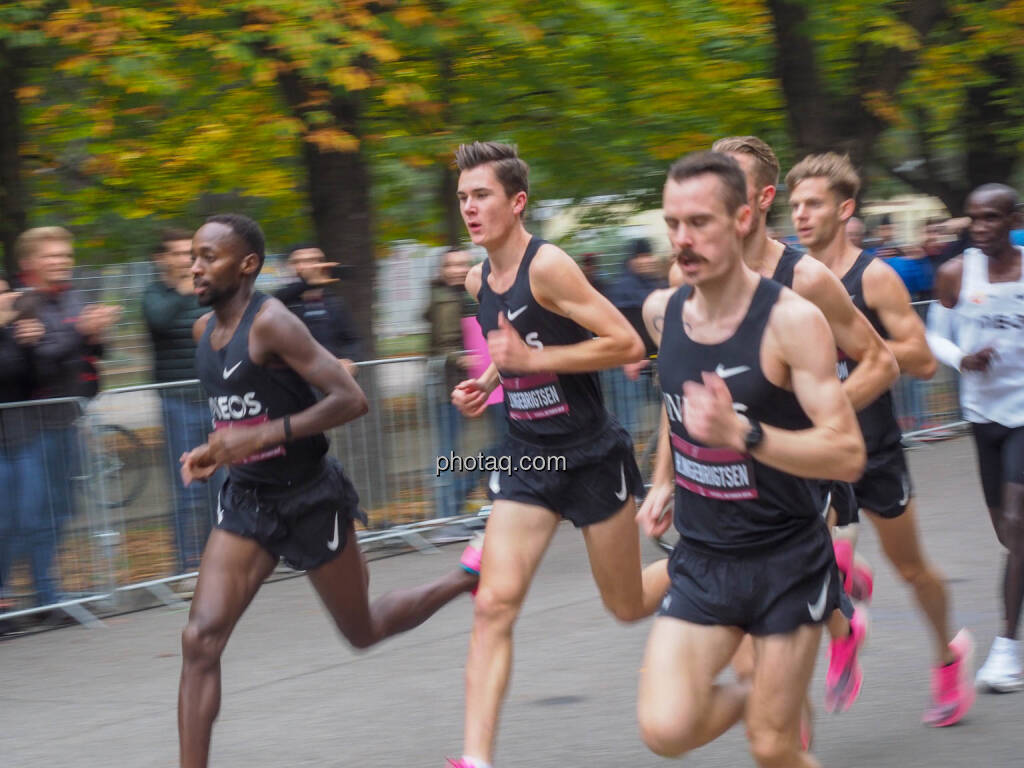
765 507
754 555
822 197
548 333
283 498
243 393
552 409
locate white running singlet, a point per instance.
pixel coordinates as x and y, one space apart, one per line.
991 314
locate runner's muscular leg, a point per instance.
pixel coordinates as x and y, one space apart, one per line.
613 546
901 544
680 707
231 572
343 585
517 537
783 668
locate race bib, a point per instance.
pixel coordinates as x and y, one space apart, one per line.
715 473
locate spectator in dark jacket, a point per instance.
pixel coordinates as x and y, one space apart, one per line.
449 304
170 308
64 362
322 309
630 386
21 486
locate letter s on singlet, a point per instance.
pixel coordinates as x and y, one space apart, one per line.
532 340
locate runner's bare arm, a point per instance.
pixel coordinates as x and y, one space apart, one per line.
885 293
278 335
199 326
652 513
833 448
877 368
559 286
797 339
473 279
654 312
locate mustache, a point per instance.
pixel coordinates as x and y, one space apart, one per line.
686 254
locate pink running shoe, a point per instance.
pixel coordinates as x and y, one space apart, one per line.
952 686
858 578
472 555
844 677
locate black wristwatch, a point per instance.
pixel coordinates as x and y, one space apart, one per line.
754 435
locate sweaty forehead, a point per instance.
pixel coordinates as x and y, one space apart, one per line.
696 195
478 178
994 199
218 237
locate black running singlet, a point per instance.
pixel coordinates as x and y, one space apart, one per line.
877 420
728 501
553 408
783 274
241 392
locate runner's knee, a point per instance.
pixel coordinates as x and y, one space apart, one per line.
771 747
496 607
666 733
624 609
202 641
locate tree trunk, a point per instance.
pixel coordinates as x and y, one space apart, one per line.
341 203
13 195
454 229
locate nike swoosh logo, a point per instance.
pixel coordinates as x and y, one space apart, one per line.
333 543
725 373
621 493
495 482
229 371
220 510
818 609
828 503
513 315
906 490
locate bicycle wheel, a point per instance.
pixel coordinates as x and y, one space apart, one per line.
120 465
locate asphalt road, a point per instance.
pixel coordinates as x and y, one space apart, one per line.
296 696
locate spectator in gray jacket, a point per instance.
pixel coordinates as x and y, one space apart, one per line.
64 365
170 308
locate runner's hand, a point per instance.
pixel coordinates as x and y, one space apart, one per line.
980 361
708 414
507 349
632 370
229 446
655 514
196 465
470 398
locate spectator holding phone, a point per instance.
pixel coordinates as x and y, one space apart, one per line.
322 309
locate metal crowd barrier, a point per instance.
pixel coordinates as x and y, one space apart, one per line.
95 520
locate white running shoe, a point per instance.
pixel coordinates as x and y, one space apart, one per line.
1002 669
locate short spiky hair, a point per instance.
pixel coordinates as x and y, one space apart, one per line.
837 169
511 170
766 164
246 229
728 171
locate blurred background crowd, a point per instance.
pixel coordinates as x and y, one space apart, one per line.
122 126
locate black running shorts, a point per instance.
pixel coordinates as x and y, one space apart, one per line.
600 476
1000 459
885 488
843 500
306 525
771 593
